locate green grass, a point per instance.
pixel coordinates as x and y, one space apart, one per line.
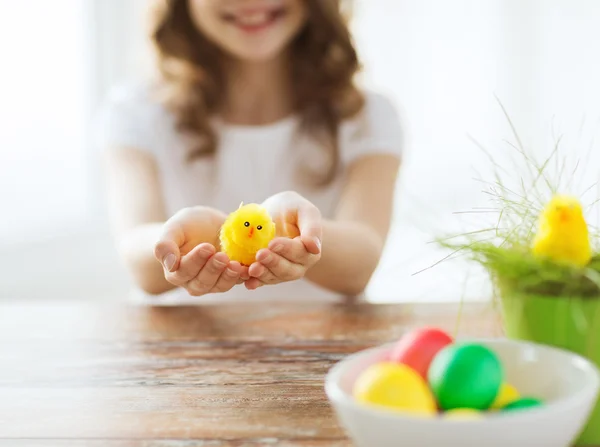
518 270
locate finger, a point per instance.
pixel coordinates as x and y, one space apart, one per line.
253 284
287 225
256 270
166 249
244 275
278 268
311 227
263 274
228 278
209 274
268 278
291 249
291 230
190 265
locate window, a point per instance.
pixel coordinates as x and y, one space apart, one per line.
45 95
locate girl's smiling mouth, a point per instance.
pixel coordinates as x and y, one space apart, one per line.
254 19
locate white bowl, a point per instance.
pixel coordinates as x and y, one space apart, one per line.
567 383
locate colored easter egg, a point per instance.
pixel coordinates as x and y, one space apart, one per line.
418 348
506 395
395 387
465 375
462 414
523 404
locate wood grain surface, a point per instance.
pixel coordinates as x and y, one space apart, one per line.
209 376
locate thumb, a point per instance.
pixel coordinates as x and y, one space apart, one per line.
166 249
311 227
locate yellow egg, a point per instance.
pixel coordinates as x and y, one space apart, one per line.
462 414
396 387
506 395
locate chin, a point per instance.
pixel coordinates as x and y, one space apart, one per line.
258 53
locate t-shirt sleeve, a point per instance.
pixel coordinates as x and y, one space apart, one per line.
376 130
126 120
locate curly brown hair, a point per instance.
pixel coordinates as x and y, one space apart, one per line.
324 63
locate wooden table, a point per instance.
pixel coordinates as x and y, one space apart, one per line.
211 376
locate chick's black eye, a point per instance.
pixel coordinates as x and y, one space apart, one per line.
259 227
246 224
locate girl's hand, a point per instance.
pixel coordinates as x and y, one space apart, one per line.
188 255
298 245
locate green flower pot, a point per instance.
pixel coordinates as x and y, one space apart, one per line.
568 323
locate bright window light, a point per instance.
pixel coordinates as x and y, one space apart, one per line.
43 105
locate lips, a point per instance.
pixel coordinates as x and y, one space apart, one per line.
254 19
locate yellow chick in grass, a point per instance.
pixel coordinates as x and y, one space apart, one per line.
563 233
246 231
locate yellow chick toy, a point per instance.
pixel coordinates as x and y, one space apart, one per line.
563 233
246 231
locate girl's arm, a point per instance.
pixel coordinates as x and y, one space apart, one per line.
161 255
137 214
352 242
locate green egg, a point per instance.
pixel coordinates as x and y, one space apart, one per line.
465 375
523 404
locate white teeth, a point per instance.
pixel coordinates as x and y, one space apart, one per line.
257 18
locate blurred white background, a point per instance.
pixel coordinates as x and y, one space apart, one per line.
441 61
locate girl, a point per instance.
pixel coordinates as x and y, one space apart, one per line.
254 101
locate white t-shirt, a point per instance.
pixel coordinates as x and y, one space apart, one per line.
251 164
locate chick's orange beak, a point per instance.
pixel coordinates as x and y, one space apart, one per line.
564 215
251 232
